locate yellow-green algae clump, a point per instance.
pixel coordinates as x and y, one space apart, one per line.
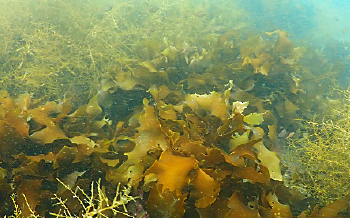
321 152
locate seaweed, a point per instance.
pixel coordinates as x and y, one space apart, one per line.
195 115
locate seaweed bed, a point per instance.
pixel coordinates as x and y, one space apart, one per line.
225 123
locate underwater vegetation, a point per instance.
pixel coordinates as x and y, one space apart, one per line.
54 47
193 157
166 109
322 152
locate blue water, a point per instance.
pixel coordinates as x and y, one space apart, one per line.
322 20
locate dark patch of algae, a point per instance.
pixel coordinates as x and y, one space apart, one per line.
121 111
